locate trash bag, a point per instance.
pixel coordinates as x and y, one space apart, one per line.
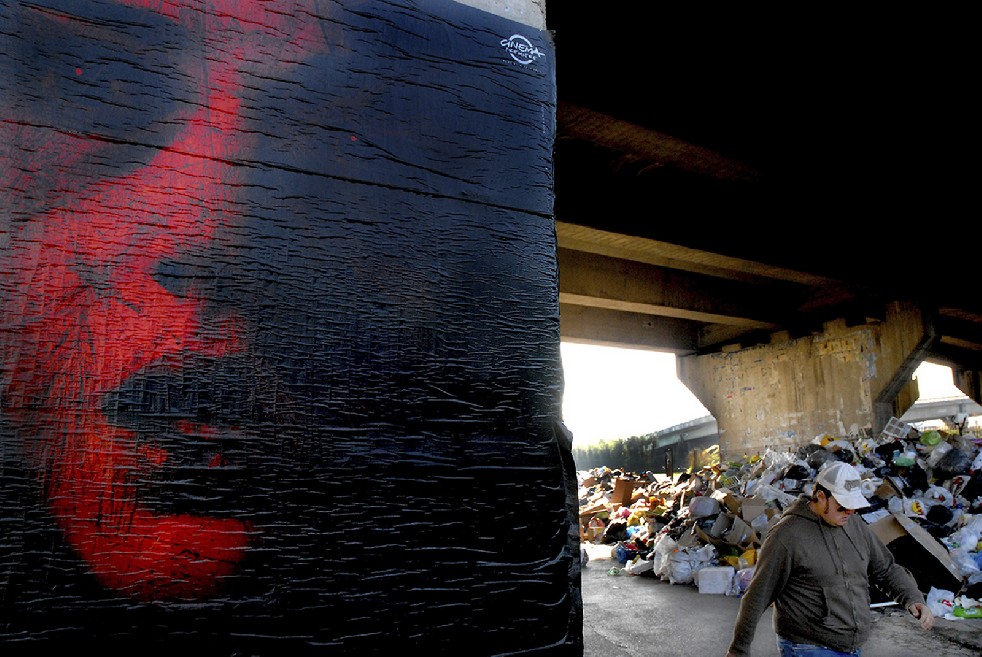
616 531
664 547
887 450
955 462
703 505
638 566
940 514
937 453
940 601
973 488
807 450
820 457
796 471
623 553
684 562
917 479
741 580
974 591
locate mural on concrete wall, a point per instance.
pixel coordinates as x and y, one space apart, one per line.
280 332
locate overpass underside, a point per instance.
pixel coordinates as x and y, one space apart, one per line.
746 220
777 356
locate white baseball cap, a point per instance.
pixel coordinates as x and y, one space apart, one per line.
845 484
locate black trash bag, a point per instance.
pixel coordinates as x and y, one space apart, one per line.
882 472
955 462
973 488
806 450
870 463
875 504
974 591
935 530
940 514
796 471
616 532
820 457
844 455
936 522
917 479
887 450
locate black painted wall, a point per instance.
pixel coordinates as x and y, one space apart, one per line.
280 331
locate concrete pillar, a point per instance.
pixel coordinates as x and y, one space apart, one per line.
845 381
968 382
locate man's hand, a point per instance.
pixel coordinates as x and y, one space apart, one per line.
923 613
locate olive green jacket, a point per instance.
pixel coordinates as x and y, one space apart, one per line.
817 577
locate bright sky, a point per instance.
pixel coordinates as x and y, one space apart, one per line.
935 381
617 393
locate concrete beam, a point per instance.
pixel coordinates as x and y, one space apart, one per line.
649 145
628 330
588 279
663 254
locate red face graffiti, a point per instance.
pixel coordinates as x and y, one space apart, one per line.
101 193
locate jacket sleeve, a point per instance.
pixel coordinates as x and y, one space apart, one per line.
770 575
888 575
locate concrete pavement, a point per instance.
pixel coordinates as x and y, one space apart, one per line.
628 615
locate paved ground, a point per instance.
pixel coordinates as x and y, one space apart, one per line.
633 615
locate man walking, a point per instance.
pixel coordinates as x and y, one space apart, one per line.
815 566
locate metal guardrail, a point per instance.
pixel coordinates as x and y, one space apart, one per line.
940 408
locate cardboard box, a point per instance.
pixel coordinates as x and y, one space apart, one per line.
587 511
919 552
723 522
623 491
729 531
714 579
727 500
732 529
696 538
889 488
751 507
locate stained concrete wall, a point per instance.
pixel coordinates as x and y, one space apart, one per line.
844 381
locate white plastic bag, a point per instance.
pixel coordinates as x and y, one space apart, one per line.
638 565
769 493
684 562
965 538
680 567
940 601
938 495
939 451
664 547
964 562
781 460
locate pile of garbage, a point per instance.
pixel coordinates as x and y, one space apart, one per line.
704 528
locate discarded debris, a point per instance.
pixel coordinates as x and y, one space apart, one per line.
704 528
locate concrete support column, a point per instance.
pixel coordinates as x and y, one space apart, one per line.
968 382
842 382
